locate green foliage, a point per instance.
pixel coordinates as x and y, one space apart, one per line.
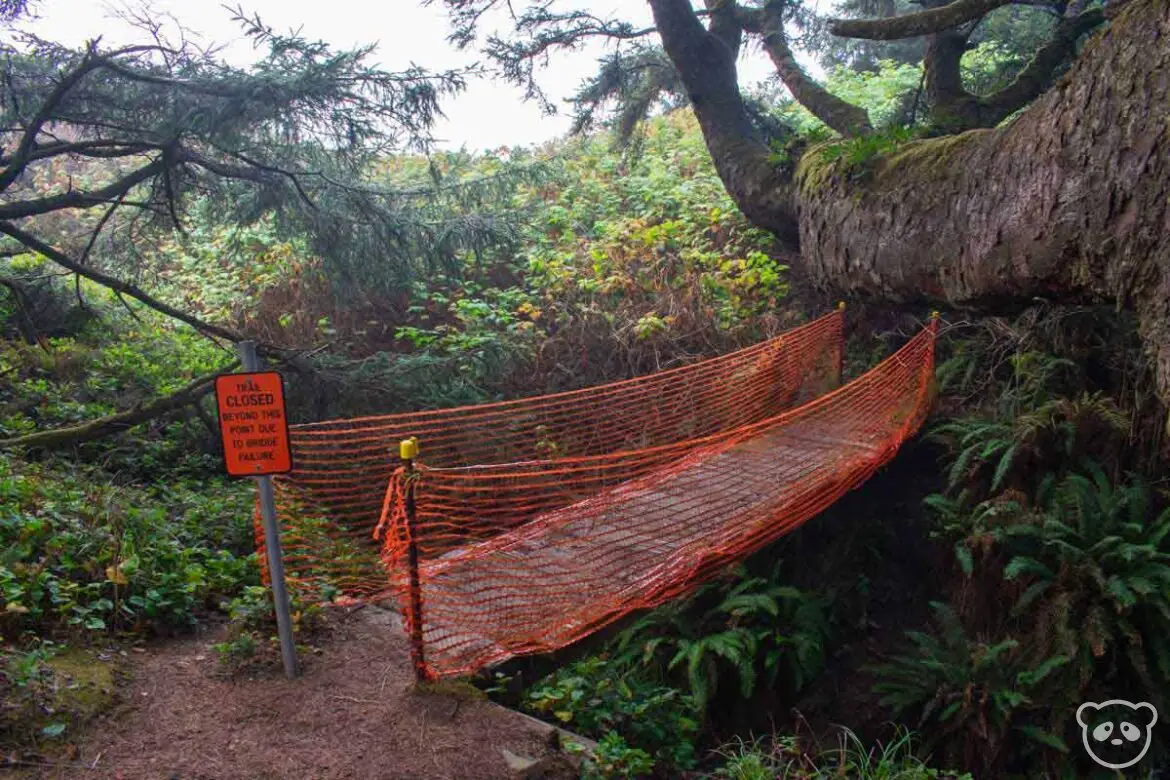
219 270
755 628
993 454
1096 565
252 641
81 558
1063 562
883 92
855 152
787 757
888 91
629 265
614 759
978 694
100 364
598 696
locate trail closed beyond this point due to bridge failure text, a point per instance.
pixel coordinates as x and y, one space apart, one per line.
253 424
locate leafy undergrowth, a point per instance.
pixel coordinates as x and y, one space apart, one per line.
794 758
79 556
84 562
252 644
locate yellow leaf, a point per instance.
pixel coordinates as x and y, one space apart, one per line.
18 609
114 574
563 715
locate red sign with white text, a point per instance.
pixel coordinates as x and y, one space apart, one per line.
253 424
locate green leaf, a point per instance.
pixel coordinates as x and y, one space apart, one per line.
950 710
1034 591
1119 590
1043 737
53 730
1043 670
1021 565
963 556
1005 464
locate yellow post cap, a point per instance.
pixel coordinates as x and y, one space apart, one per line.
408 448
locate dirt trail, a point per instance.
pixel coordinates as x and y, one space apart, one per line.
353 714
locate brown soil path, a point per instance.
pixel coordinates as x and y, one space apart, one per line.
354 713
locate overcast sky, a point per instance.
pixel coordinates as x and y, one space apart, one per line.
488 115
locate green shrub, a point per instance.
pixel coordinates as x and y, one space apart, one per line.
596 696
755 628
252 638
614 759
993 454
1086 568
1096 566
787 757
975 700
79 558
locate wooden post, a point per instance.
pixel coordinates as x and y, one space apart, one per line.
408 451
288 652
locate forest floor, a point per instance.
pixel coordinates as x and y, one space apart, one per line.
353 713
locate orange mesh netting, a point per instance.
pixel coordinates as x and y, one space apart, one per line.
538 521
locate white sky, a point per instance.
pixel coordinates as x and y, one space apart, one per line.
488 114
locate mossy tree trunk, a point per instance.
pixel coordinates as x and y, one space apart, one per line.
1067 203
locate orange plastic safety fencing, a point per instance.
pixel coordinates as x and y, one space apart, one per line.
586 506
631 529
331 502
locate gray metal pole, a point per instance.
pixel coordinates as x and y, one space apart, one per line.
288 652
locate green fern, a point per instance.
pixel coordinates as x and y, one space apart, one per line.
990 454
1097 568
757 629
970 689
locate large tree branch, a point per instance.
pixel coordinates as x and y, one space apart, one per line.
79 198
20 159
932 20
90 61
942 77
1040 72
1067 203
104 148
105 426
842 116
724 24
119 286
954 109
707 68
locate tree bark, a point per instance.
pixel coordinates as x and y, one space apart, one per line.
840 115
105 426
707 67
1067 203
931 20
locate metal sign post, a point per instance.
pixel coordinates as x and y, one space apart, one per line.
288 653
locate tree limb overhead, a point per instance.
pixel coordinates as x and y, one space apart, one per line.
925 22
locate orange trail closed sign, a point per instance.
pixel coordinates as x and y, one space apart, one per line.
253 423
